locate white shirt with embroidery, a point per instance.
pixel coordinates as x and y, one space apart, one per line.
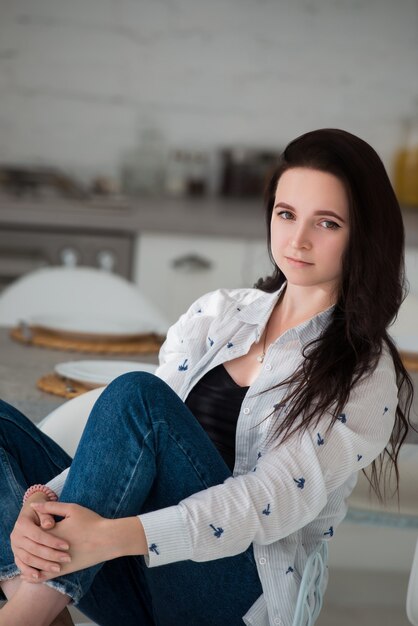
283 499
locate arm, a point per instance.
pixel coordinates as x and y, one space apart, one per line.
289 488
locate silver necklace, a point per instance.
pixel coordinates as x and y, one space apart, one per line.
261 356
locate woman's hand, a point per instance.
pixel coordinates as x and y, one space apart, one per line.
92 539
35 549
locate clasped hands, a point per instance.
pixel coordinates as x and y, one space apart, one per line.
44 549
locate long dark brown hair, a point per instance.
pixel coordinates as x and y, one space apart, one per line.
371 291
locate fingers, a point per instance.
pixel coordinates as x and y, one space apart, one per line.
25 530
46 521
37 569
43 553
30 564
43 560
28 573
30 557
62 509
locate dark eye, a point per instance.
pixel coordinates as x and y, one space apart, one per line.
329 225
285 215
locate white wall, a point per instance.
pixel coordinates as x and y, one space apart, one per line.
80 78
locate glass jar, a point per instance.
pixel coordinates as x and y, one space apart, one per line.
406 166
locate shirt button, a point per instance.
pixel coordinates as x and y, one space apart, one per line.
268 367
246 410
262 560
278 621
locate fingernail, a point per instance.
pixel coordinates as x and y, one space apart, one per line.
65 559
56 568
35 576
64 546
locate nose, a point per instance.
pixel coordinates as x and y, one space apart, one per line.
300 238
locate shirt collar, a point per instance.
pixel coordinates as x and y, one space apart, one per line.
259 310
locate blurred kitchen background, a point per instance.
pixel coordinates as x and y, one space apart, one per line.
136 136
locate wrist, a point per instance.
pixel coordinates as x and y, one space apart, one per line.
126 537
50 495
38 496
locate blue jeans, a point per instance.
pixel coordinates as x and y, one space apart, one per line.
142 450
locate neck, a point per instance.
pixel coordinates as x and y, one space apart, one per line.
297 305
302 303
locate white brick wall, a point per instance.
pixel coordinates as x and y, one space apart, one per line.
80 78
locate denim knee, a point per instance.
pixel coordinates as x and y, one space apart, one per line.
138 388
136 381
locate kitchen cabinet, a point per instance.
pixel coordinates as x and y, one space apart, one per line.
174 270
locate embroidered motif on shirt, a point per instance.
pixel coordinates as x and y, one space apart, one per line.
385 410
329 532
289 570
153 548
211 342
238 309
300 482
359 456
199 311
342 418
267 511
218 531
183 367
320 441
259 455
280 408
229 344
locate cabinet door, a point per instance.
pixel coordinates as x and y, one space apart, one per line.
175 270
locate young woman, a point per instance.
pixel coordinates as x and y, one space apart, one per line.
196 496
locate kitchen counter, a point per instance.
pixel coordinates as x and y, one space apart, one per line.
208 216
21 366
195 216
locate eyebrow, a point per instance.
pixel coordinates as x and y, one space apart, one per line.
324 212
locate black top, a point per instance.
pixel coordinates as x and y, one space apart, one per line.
216 402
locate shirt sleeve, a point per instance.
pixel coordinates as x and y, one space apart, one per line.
289 488
188 327
57 483
181 333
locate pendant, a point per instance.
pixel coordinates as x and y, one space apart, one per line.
260 358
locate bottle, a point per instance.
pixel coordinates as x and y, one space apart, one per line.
175 182
406 166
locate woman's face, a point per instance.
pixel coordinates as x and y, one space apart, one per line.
310 228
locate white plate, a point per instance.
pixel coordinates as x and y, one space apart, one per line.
90 327
99 373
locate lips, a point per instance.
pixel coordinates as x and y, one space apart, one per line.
297 262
